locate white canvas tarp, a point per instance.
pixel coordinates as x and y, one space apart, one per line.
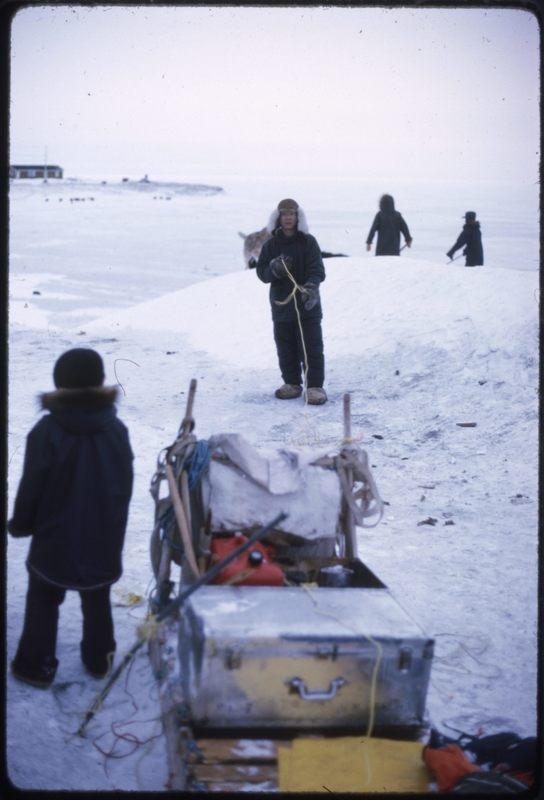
250 487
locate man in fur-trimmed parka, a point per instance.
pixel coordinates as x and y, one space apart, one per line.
293 254
73 501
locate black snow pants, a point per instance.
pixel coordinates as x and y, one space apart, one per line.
291 353
39 637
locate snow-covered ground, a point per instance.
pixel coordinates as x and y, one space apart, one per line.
158 288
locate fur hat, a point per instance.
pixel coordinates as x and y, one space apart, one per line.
287 205
78 369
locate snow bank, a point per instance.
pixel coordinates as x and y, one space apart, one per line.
369 305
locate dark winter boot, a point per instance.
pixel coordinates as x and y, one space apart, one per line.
288 391
42 676
102 669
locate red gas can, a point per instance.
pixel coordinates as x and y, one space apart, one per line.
252 568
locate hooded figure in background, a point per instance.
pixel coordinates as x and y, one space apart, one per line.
389 224
73 501
290 261
471 238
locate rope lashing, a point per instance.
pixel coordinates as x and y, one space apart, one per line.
149 629
181 465
167 518
356 461
194 465
198 462
178 548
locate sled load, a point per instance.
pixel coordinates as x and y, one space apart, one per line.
273 627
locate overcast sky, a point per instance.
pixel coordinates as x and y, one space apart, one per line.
347 92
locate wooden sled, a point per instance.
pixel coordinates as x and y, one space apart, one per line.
246 669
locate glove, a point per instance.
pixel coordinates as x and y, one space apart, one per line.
450 256
310 296
277 265
252 263
368 246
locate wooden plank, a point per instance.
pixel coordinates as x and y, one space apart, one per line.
248 773
232 787
236 750
169 702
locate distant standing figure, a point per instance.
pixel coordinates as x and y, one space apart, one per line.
471 238
389 224
73 501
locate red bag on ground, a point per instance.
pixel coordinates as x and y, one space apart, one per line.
448 765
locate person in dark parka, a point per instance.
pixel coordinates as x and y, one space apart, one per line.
389 224
296 314
471 238
73 501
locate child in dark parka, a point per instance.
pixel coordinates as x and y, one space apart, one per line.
73 501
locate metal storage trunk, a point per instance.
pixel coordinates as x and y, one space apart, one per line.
296 657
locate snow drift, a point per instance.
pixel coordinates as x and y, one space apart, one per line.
369 305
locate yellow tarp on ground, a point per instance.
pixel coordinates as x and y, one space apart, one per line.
352 764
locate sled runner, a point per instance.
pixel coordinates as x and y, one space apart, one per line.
278 629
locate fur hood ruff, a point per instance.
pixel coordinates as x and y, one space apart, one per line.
274 220
92 398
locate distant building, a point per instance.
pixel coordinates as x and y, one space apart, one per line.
35 171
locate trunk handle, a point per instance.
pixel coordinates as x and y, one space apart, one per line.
297 684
